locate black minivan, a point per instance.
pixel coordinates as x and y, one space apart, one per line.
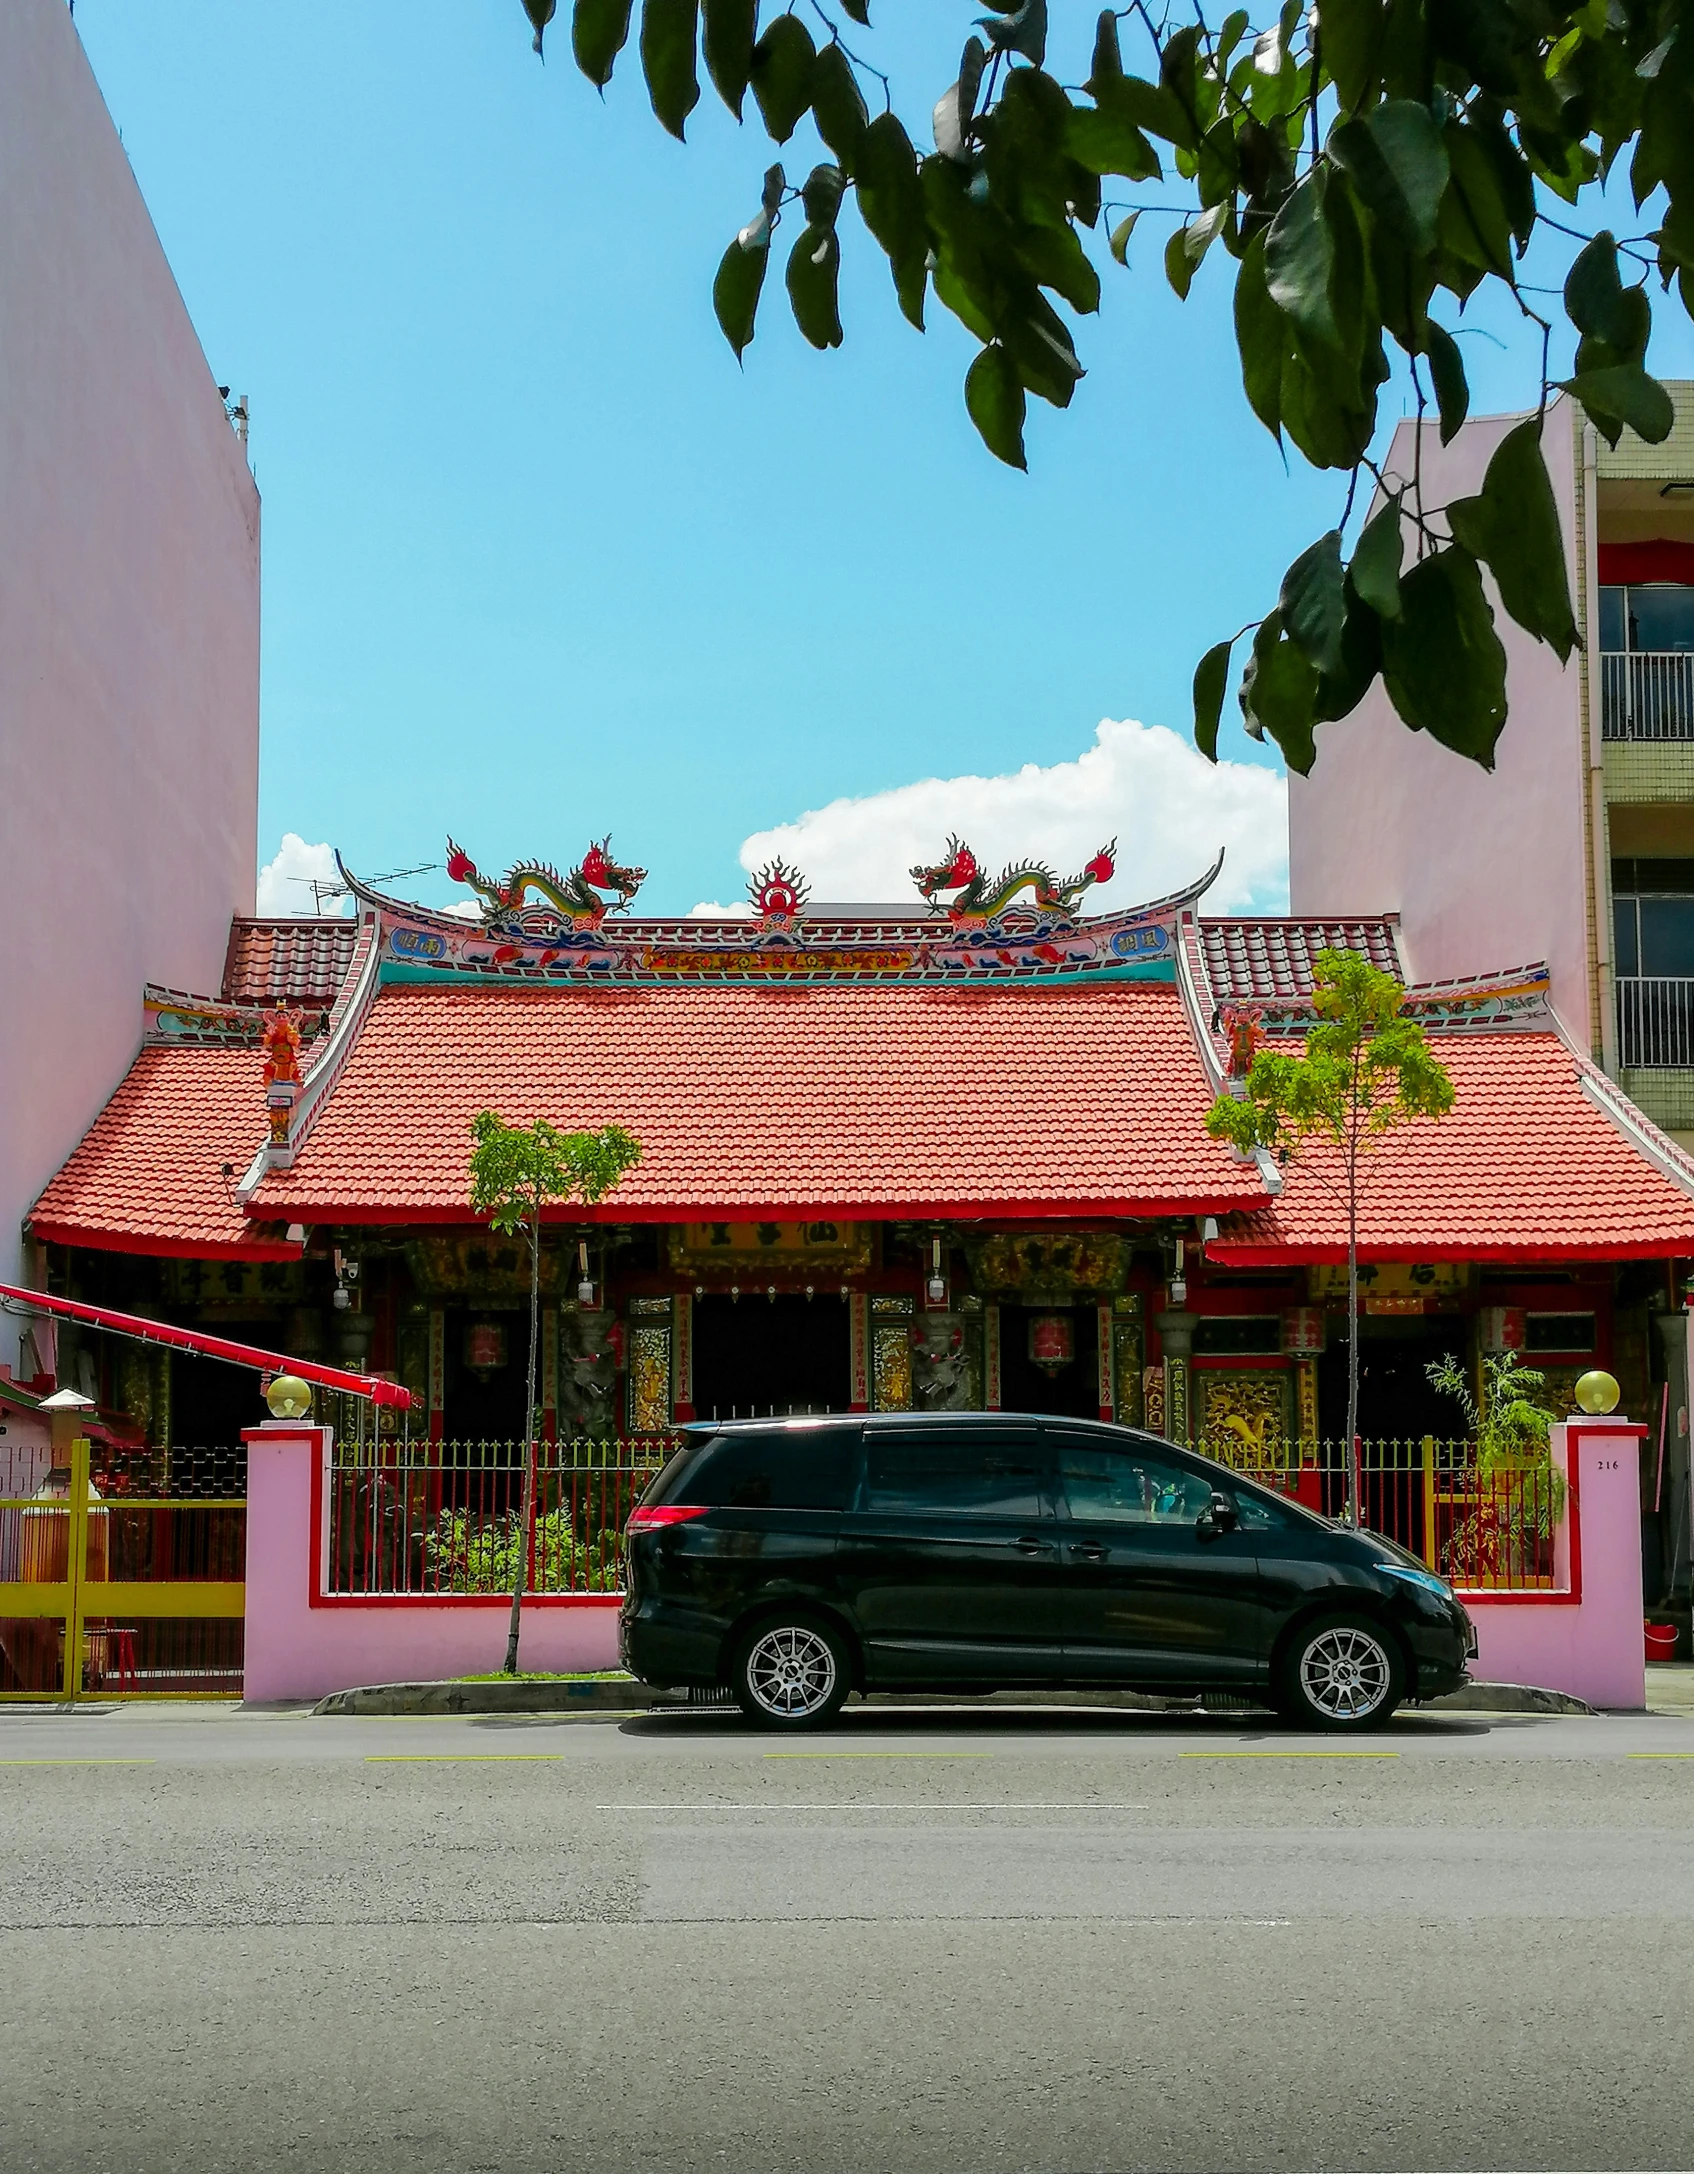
797 1560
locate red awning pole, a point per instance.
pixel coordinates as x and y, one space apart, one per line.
144 1331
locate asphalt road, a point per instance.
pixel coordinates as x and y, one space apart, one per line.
928 1944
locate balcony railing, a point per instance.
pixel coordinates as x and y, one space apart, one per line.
1647 694
1656 1024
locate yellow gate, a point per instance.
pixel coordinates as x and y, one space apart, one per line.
123 1595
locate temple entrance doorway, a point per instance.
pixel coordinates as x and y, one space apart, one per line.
755 1357
1068 1391
1396 1400
487 1355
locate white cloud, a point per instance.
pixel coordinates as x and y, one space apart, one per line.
709 910
285 884
1169 809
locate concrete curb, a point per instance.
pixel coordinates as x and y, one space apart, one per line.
623 1695
1507 1698
618 1695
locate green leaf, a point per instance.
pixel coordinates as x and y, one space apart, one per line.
1475 224
814 268
1513 524
838 105
1300 261
1211 680
1452 393
1594 294
1352 32
891 204
820 193
1119 238
994 396
1057 259
1108 54
727 41
783 62
1313 603
1375 568
1153 107
741 275
858 11
1179 265
1621 397
1342 690
1107 142
1442 662
1019 29
1188 245
1261 334
669 36
599 29
540 13
1397 162
1278 692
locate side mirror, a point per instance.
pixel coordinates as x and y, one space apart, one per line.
1218 1516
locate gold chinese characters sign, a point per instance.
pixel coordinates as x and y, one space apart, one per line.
1392 1286
753 1250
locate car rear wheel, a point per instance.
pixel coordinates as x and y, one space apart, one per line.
1342 1672
792 1673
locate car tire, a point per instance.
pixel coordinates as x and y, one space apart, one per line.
792 1671
1341 1672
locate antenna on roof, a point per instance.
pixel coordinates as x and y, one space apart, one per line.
323 889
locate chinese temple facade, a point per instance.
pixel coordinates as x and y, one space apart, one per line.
950 1155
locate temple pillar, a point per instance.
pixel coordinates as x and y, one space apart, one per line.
1176 1334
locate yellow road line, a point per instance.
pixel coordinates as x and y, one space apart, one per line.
457 1758
1659 1754
879 1754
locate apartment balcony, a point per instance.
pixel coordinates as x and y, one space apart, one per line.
1647 694
1655 1055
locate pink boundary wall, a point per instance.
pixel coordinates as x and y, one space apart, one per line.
1587 1637
303 1644
1584 1638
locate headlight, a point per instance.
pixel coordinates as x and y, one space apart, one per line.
1426 1578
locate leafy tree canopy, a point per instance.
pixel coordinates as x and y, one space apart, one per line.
516 1170
1362 169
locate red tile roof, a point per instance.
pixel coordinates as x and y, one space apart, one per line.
1010 1102
287 962
1249 959
148 1176
1526 1167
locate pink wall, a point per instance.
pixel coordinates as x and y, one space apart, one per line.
129 618
299 1646
1485 870
1587 1641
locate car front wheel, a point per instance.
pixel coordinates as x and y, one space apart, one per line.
1341 1673
793 1673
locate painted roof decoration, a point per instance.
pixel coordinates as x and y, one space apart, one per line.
778 895
988 932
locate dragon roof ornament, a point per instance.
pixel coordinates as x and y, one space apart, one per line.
1022 926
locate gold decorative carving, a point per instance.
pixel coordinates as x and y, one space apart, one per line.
649 1378
1153 1399
1243 1415
892 1366
1049 1268
756 1250
1126 1345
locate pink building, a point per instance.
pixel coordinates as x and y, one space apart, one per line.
129 628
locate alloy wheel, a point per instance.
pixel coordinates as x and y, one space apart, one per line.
1345 1673
790 1671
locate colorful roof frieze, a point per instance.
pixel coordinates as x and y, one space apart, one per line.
966 927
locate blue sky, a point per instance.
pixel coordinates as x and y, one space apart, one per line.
541 562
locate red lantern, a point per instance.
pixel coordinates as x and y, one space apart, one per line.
1052 1341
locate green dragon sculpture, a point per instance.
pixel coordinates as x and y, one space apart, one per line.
980 899
576 896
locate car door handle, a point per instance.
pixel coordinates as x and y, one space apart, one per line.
1090 1551
1028 1544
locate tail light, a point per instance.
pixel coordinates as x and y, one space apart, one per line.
664 1513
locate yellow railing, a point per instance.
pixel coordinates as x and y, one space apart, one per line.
69 1629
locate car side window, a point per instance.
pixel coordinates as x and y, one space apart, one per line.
1255 1514
1131 1485
943 1471
793 1469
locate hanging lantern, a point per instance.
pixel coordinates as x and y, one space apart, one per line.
485 1347
1052 1341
